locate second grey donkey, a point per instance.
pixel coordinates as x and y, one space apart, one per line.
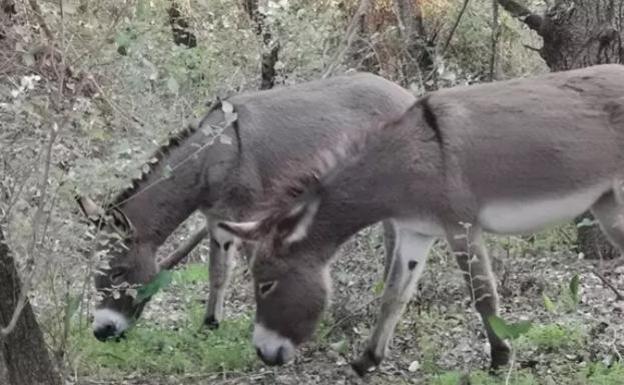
225 175
506 157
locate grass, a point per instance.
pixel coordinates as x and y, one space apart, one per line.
594 374
554 337
153 349
482 378
192 274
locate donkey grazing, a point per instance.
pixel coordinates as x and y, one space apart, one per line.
263 132
507 157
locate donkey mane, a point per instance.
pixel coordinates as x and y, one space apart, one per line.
174 140
302 180
305 179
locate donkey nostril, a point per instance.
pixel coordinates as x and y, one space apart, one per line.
259 353
279 358
104 333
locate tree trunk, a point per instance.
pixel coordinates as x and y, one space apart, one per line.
270 48
180 27
576 34
24 358
418 49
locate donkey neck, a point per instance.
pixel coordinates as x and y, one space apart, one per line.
397 174
182 180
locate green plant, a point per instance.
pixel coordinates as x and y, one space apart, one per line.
193 273
150 349
555 336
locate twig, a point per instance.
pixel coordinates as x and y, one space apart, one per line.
495 35
39 15
454 28
349 37
181 252
604 280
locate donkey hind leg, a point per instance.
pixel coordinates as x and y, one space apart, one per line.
610 214
223 249
408 263
473 260
389 233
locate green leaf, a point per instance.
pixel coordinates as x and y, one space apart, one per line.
548 304
160 281
507 331
228 113
122 40
72 303
167 171
378 287
173 85
586 222
574 288
499 326
519 328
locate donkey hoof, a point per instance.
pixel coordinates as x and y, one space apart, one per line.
500 357
211 322
367 361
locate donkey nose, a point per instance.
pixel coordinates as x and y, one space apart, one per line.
105 332
276 359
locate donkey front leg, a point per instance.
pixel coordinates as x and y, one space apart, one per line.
223 250
408 263
474 263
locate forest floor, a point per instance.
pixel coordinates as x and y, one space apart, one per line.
439 340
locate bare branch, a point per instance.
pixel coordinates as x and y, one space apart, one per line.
454 28
522 13
181 252
349 37
607 283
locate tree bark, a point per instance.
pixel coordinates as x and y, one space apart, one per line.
270 48
576 34
24 358
419 51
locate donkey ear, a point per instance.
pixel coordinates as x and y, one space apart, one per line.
295 226
248 231
89 208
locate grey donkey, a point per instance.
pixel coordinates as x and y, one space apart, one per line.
260 133
507 157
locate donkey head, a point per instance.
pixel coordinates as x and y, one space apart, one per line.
127 264
291 279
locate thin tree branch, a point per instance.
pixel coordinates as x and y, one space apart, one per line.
604 280
181 252
349 37
522 13
454 28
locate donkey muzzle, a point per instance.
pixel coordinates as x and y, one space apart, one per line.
271 347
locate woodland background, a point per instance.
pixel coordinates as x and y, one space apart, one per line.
89 89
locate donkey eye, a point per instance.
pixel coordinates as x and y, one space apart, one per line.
117 276
266 287
227 245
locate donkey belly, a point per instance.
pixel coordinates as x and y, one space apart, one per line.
517 216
